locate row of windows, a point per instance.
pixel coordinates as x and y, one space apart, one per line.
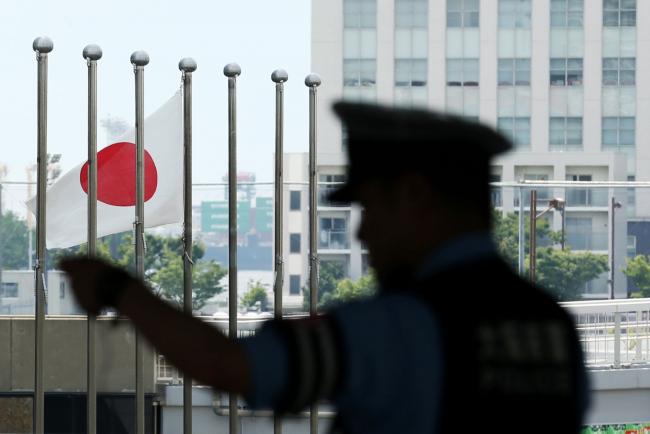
511 72
465 13
567 131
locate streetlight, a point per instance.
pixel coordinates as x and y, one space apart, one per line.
614 205
553 204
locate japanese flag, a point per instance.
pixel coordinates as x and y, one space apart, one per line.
67 200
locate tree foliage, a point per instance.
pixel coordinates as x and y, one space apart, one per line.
163 263
638 270
348 290
563 273
256 294
13 241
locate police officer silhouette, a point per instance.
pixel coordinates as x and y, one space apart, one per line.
453 339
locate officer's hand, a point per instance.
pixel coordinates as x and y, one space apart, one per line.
85 275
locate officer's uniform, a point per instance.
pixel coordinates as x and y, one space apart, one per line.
461 345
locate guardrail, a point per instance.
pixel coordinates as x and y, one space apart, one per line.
614 333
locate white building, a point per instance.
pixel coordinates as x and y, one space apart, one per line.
17 294
563 80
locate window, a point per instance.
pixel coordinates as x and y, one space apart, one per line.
410 72
462 72
631 246
496 196
566 72
294 200
411 13
9 289
294 284
514 72
619 71
328 184
333 233
462 13
567 13
359 72
619 13
585 196
565 132
514 14
579 233
619 131
61 289
294 243
360 14
517 129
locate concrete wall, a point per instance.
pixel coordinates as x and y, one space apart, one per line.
65 356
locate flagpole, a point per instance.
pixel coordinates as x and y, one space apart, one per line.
279 77
187 65
232 71
139 59
312 81
92 53
42 45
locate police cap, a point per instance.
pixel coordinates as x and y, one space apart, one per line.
385 141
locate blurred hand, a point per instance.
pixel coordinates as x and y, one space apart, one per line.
84 274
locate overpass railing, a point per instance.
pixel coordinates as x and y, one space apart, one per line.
613 333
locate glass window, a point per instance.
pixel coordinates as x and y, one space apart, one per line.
294 200
565 132
359 73
462 72
9 289
514 72
294 284
619 13
566 72
517 129
411 13
360 14
294 243
619 71
618 131
333 233
410 72
462 13
567 13
514 14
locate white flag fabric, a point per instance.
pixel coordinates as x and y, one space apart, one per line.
67 200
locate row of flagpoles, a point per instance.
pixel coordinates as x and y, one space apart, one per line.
139 59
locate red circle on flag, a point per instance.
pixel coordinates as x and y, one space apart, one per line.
116 175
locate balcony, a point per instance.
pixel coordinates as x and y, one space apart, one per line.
333 240
584 197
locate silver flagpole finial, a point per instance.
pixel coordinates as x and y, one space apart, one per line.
231 70
92 52
312 80
187 64
139 58
43 44
279 76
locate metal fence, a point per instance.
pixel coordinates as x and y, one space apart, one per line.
614 333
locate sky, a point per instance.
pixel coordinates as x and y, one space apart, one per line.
260 35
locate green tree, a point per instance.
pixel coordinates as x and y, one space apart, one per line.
13 241
564 273
167 280
348 289
256 293
638 270
329 274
